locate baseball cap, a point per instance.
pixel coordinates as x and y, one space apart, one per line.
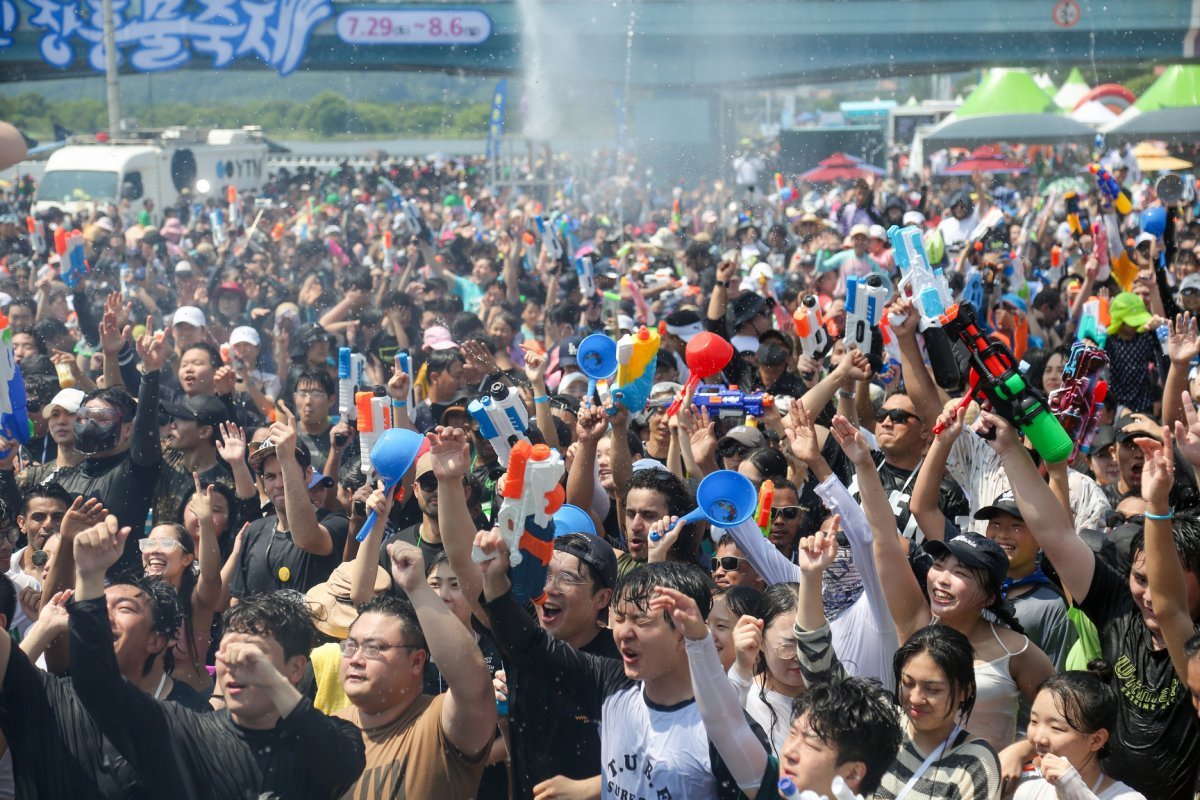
876 232
424 465
593 551
1105 437
438 338
451 411
189 315
771 354
206 409
105 224
244 333
648 463
743 435
974 551
68 400
568 352
1191 281
663 392
913 218
1144 237
1127 308
319 479
860 228
184 267
570 379
1124 429
1006 503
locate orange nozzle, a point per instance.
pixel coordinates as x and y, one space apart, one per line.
231 195
514 480
362 406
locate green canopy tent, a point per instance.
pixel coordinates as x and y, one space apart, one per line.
1169 110
1006 106
1072 90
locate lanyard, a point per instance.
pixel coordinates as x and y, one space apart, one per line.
933 756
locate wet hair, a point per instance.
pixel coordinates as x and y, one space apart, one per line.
441 360
49 490
221 489
768 461
165 614
187 581
48 328
637 587
679 499
953 654
214 355
39 343
319 377
400 608
741 600
1192 648
1085 700
778 600
117 398
1037 359
1186 530
283 616
858 718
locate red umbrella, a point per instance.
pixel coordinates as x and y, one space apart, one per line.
988 159
840 167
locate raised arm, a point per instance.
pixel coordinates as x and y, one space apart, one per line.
1164 569
903 594
1045 517
366 558
852 367
144 448
232 448
927 487
206 597
535 370
469 711
590 427
716 698
451 456
1183 345
301 514
917 380
816 553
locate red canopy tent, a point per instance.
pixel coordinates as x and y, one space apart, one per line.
840 167
988 159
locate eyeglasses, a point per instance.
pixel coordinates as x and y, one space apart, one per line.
1113 519
371 649
786 649
163 544
898 416
565 581
727 563
789 513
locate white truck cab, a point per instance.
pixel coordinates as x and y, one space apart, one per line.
153 165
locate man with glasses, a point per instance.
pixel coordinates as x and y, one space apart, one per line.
312 400
730 567
299 545
417 745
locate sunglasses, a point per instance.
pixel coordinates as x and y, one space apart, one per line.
733 449
789 513
1191 291
898 416
727 563
1114 519
429 483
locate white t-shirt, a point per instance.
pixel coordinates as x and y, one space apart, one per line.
654 751
954 231
1071 787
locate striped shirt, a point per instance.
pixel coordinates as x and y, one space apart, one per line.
968 770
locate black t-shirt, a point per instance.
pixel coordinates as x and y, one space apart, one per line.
1156 746
551 731
270 560
898 483
57 749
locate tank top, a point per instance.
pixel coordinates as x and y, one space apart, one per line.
994 717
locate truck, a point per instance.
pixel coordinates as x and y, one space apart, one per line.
157 165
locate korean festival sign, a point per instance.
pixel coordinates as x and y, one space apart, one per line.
161 35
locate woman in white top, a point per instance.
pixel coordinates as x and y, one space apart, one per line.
962 584
1070 727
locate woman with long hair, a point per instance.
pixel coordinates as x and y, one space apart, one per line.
934 673
170 553
732 608
963 591
1071 726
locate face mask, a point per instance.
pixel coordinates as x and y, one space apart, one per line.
96 437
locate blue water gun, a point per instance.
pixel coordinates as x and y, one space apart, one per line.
730 401
931 297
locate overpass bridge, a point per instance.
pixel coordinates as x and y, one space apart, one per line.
692 45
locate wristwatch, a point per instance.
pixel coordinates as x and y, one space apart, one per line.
722 284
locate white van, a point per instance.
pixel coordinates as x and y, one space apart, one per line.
155 165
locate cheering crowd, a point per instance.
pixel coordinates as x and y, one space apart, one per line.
209 596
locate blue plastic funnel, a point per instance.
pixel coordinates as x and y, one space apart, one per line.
572 519
392 456
597 357
1154 221
724 498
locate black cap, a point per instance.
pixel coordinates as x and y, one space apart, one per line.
745 307
206 409
1122 433
974 551
569 350
682 317
1006 503
1105 437
771 354
593 551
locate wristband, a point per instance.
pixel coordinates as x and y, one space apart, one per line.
399 403
722 284
845 394
1169 515
543 399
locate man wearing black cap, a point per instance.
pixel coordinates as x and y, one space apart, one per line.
748 316
774 376
195 426
299 545
1037 603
